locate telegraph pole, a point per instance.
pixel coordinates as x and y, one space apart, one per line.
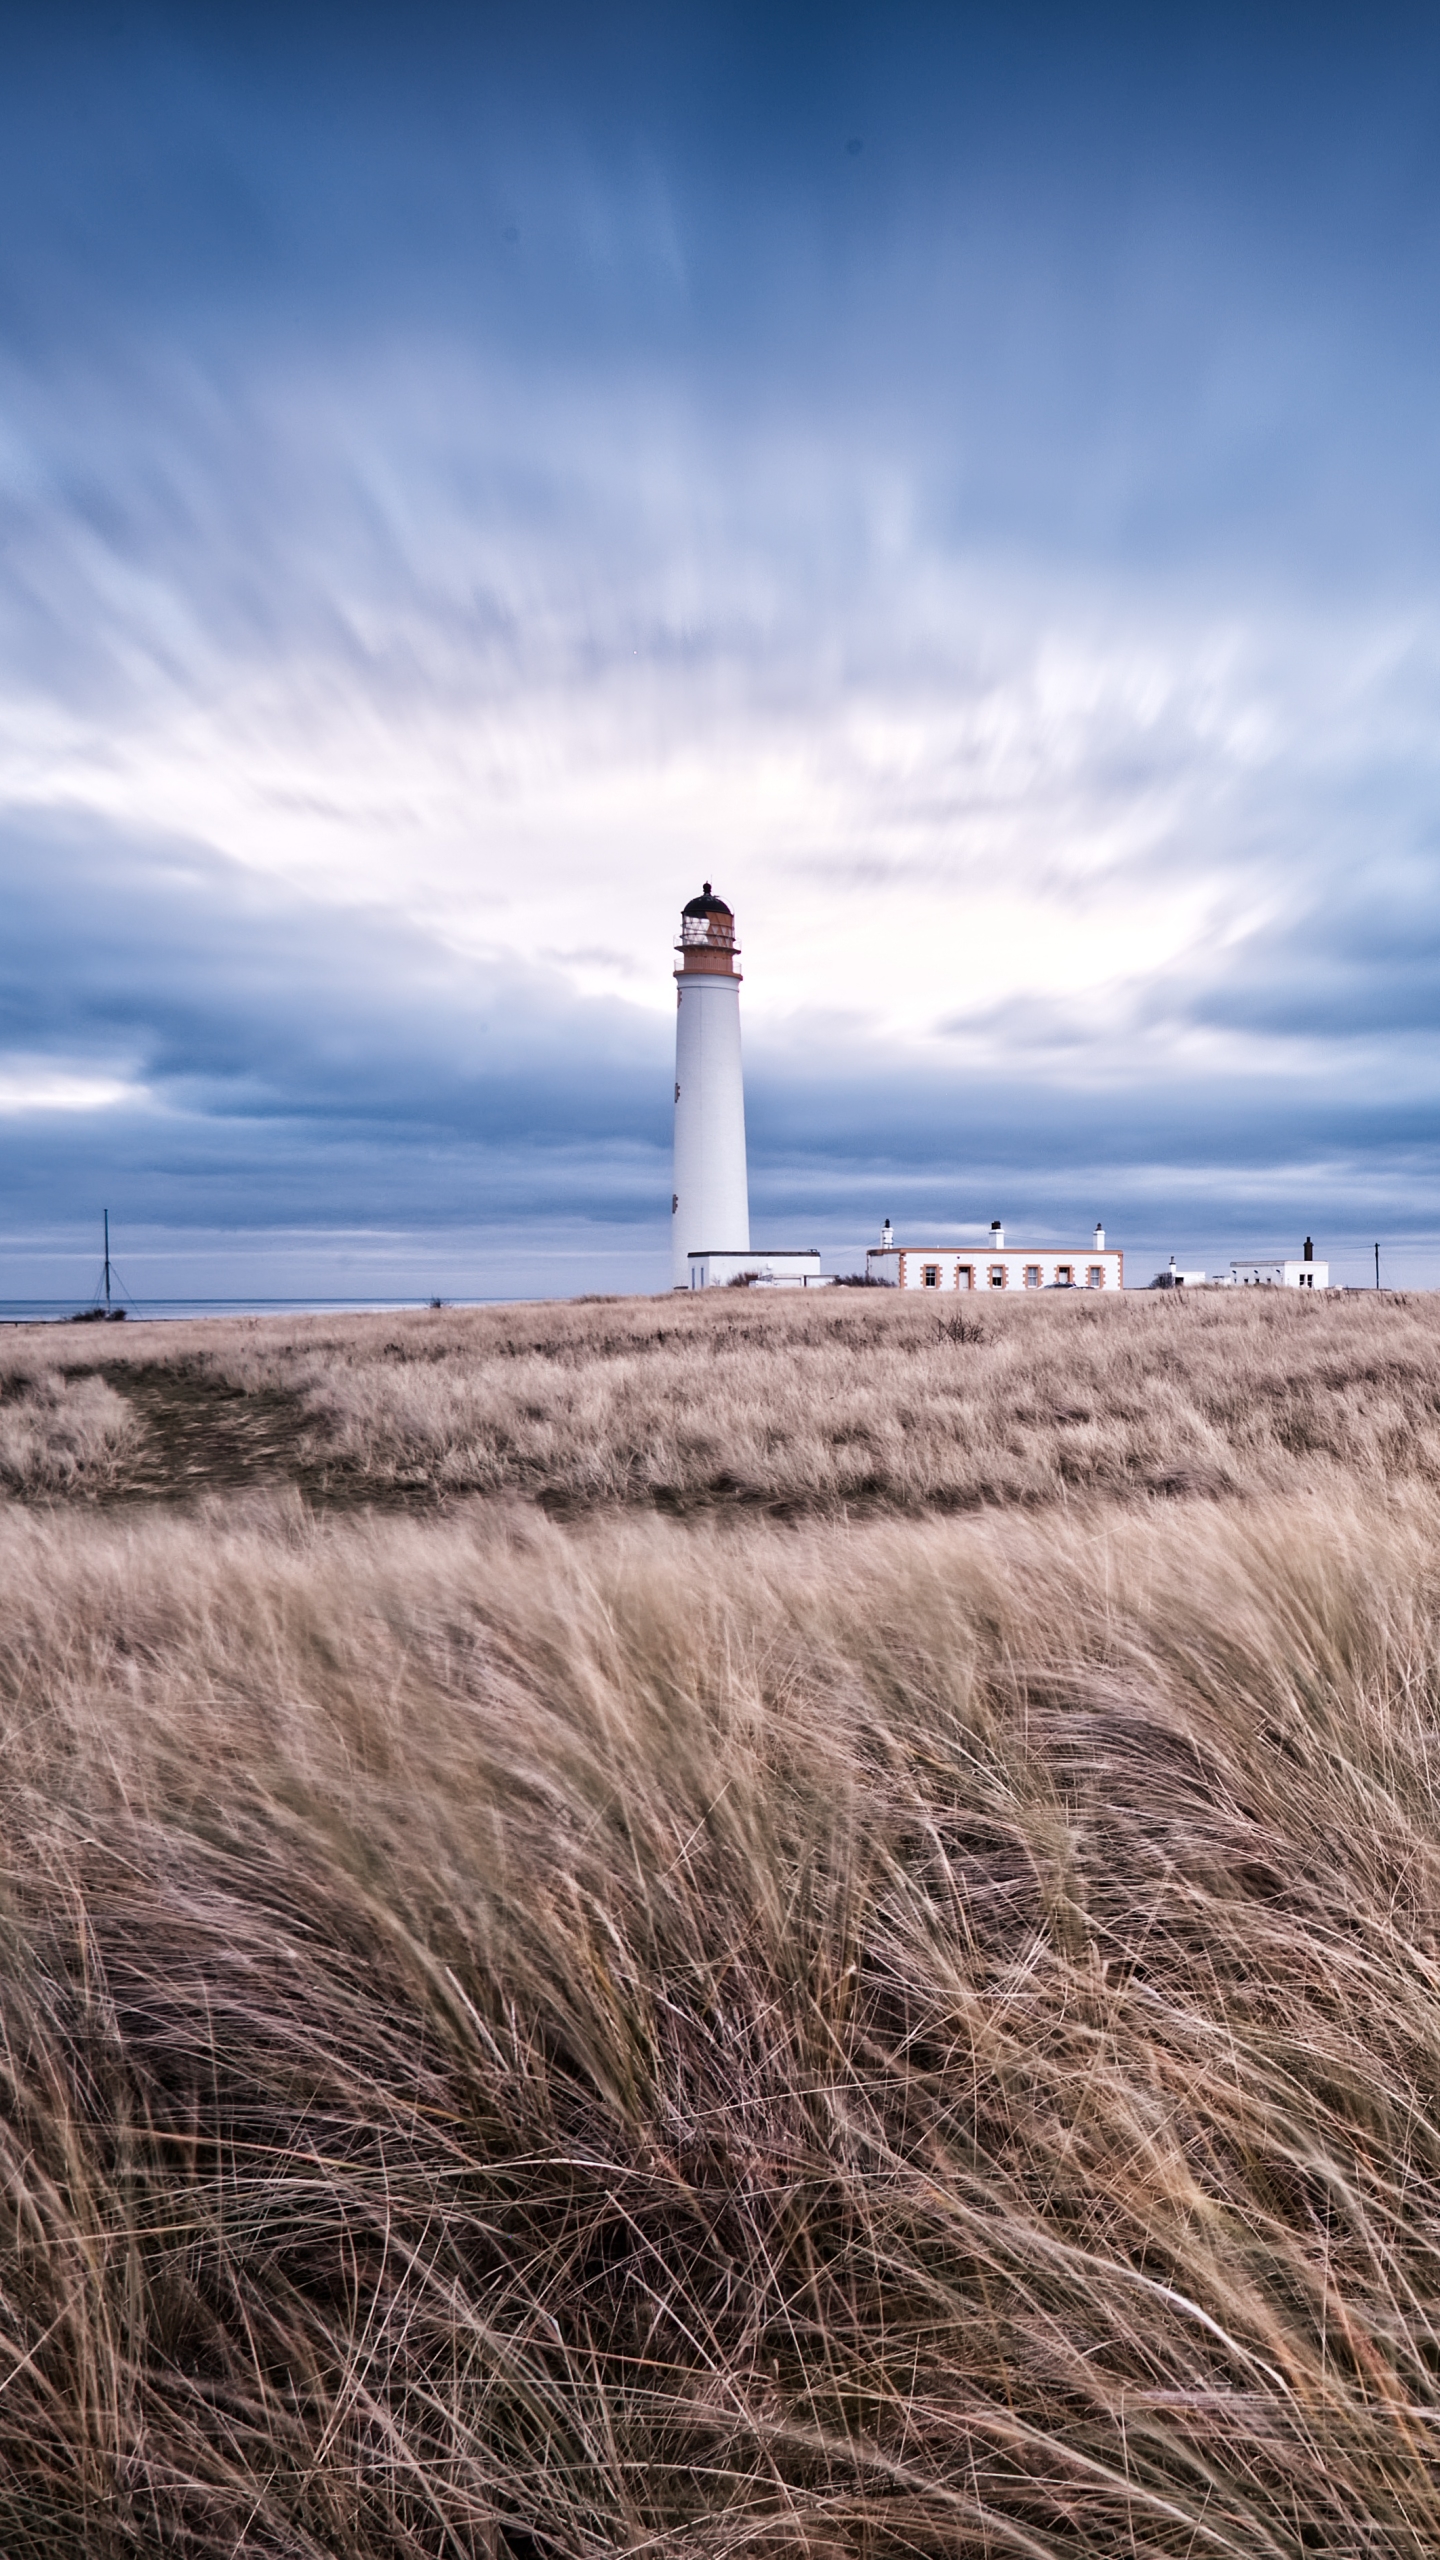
1377 1266
107 1261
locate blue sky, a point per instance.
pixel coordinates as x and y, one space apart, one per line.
967 481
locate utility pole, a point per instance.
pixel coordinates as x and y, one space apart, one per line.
1377 1266
107 1261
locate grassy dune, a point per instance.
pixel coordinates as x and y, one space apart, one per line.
816 1406
566 1991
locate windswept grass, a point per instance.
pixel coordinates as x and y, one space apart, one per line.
822 1404
63 1435
708 2038
808 1406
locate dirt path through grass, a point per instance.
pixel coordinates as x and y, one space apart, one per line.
204 1433
201 1433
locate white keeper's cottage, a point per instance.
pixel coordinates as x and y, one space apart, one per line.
996 1265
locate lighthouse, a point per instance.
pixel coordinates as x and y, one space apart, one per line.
710 1205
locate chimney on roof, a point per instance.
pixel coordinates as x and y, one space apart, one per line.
1309 1250
997 1236
1099 1237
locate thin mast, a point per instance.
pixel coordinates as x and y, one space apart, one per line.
107 1262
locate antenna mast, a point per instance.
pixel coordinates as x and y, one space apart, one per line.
107 1262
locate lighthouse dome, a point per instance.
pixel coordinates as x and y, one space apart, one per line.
707 904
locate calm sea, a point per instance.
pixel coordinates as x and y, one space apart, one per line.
160 1310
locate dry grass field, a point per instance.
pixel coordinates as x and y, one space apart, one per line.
741 1928
839 1406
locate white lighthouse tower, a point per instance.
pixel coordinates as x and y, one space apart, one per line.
711 1202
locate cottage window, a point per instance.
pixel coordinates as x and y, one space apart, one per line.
997 1275
930 1275
1095 1276
1032 1275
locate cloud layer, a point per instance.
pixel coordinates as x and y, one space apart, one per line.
457 488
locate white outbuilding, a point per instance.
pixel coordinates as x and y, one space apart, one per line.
1175 1278
1303 1273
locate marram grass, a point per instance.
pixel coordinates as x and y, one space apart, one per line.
719 2037
843 1405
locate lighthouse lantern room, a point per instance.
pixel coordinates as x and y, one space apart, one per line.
710 1205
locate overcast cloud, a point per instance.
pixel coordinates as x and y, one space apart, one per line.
967 482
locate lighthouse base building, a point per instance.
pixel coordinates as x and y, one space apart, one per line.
762 1269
